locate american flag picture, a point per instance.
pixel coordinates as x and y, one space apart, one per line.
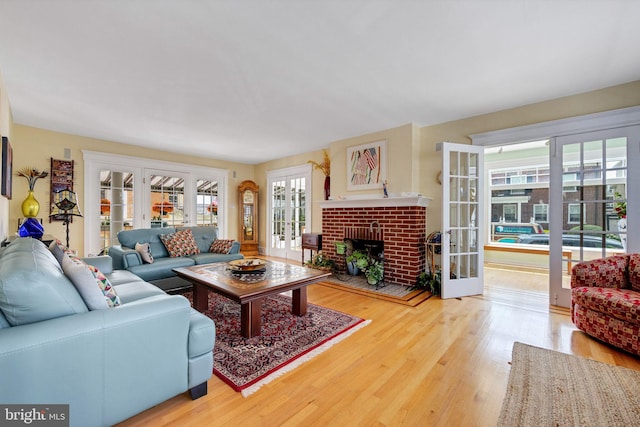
365 165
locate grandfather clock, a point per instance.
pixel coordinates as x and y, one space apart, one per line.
248 225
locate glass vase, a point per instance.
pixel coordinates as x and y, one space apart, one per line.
30 206
327 187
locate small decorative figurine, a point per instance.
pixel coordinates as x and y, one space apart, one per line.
384 189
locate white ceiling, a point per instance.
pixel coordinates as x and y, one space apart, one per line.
255 80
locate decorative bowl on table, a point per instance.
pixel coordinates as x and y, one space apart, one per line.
247 264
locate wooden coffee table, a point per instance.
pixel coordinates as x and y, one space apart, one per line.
250 288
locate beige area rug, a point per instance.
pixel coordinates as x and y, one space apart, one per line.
547 388
390 292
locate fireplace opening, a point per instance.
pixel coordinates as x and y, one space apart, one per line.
374 248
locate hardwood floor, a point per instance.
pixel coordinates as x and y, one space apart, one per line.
442 363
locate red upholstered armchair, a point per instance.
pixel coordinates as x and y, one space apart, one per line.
605 300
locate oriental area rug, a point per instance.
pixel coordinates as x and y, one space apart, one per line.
547 388
286 340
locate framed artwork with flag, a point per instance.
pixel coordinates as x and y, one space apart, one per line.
367 165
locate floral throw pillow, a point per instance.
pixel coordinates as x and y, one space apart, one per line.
221 246
180 243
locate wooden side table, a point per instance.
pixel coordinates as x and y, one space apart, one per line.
310 241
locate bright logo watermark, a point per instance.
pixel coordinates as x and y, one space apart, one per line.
34 415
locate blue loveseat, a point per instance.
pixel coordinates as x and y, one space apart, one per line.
160 272
106 364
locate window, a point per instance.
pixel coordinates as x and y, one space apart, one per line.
519 176
510 213
520 179
574 213
540 213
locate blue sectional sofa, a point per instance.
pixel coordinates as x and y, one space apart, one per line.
106 364
160 272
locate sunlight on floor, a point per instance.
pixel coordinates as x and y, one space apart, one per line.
526 288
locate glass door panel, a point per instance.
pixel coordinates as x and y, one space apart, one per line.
278 215
116 205
593 167
207 202
298 203
167 207
593 171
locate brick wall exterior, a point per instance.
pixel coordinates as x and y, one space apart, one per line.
404 231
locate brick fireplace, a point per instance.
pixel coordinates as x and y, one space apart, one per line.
400 222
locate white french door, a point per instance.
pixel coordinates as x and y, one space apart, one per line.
462 220
170 197
289 211
589 172
120 193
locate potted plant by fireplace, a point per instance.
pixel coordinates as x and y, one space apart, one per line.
429 281
374 272
355 261
321 262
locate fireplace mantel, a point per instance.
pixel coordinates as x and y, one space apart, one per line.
375 202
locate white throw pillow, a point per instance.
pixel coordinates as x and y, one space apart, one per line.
145 252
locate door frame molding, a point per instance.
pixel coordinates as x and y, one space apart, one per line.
579 124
